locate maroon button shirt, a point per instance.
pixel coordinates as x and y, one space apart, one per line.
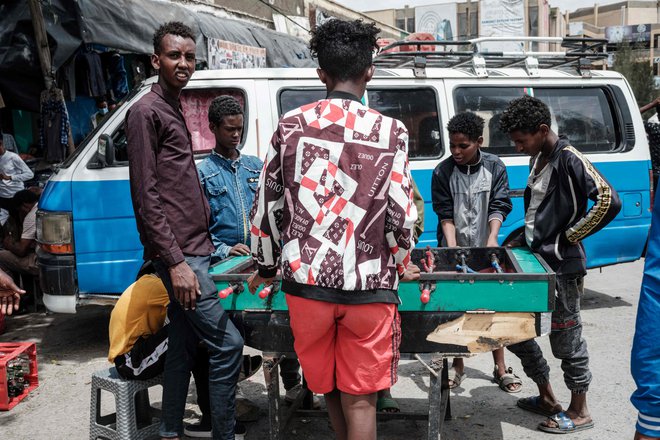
171 212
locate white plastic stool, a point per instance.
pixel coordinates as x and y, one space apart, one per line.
123 424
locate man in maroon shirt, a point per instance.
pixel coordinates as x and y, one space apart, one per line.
172 217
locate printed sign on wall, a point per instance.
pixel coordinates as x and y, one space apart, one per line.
637 33
228 55
437 20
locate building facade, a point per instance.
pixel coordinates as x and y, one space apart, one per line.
297 17
460 20
634 22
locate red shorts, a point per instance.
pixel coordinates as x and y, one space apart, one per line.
353 348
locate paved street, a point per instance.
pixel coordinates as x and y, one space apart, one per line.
72 347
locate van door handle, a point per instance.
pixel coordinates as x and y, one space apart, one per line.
516 192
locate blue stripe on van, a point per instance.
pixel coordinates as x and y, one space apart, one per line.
109 253
621 241
108 248
56 196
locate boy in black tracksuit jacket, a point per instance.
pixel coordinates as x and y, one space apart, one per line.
559 187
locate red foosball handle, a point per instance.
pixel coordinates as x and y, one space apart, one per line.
265 292
224 293
425 297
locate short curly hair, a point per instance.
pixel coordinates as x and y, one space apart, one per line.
222 106
525 114
344 48
171 28
24 196
467 123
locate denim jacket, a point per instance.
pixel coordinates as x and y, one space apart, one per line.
229 186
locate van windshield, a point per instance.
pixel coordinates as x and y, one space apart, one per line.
416 107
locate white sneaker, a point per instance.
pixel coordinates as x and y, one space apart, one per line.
291 395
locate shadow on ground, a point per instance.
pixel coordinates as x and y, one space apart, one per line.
75 338
596 300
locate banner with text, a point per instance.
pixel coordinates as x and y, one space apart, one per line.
227 55
502 18
638 33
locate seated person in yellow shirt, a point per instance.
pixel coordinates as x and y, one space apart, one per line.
138 345
138 331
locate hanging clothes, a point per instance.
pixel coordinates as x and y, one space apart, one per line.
54 130
90 80
66 79
139 71
113 63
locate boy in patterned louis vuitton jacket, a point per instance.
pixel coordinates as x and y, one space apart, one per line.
557 218
334 206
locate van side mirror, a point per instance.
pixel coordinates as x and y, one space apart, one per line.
106 150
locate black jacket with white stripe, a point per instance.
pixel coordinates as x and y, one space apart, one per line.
563 218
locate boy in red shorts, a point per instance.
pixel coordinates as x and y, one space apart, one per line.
334 206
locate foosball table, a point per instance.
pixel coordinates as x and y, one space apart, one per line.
466 301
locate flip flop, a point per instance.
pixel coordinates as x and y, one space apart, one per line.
387 405
533 404
564 425
507 379
455 379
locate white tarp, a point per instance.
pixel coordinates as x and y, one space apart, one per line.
502 18
437 20
292 25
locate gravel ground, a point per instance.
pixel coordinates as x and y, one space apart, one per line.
71 347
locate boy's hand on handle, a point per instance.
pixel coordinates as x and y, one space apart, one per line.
185 285
240 249
10 295
255 280
492 242
412 273
514 244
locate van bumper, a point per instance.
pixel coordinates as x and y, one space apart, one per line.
59 281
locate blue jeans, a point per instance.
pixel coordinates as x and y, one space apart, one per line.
208 323
566 340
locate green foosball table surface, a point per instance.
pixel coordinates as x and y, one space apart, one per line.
463 282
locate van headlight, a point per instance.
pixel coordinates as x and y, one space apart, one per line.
55 232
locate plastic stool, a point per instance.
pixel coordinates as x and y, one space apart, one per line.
123 424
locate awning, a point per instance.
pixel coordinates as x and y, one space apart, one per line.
125 25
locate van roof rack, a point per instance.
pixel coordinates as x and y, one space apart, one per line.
580 53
